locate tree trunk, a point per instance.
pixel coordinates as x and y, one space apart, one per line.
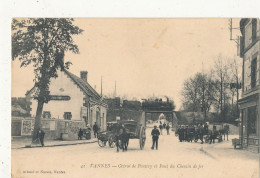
37 123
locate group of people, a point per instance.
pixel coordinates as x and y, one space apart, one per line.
189 133
164 126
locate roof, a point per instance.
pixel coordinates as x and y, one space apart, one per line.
83 85
18 108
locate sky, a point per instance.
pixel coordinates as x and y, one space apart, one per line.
146 57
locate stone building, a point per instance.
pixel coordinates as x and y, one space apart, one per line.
74 103
249 103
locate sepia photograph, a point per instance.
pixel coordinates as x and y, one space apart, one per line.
135 97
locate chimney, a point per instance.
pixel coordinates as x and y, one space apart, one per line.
84 75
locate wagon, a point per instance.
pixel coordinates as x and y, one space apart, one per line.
136 131
107 136
217 129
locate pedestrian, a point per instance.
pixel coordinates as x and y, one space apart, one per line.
95 129
182 130
155 133
211 136
178 132
161 127
186 138
80 134
40 135
206 128
168 128
164 125
201 133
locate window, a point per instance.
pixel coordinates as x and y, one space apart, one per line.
67 115
253 73
252 120
46 114
254 28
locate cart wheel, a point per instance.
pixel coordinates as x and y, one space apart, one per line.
101 143
142 138
111 142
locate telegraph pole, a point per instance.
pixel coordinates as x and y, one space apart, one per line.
101 86
115 88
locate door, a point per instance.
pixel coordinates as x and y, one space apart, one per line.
16 128
98 120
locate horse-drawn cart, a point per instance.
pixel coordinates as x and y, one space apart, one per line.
133 129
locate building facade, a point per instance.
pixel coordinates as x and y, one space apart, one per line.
72 100
249 103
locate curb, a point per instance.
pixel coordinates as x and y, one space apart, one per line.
55 145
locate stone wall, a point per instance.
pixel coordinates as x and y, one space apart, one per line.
53 128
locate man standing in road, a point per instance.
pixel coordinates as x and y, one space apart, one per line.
161 127
167 128
95 129
155 133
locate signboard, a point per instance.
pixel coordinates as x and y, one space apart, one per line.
60 97
27 127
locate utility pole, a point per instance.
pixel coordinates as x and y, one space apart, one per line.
203 93
115 89
101 86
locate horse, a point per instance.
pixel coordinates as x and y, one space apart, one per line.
122 141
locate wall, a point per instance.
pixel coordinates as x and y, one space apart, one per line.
248 56
52 127
62 85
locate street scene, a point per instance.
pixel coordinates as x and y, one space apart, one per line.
135 97
209 159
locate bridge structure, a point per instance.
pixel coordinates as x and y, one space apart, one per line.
159 110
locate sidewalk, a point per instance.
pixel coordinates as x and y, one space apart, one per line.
225 149
26 143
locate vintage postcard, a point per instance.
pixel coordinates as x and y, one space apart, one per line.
135 97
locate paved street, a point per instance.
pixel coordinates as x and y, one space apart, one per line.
173 159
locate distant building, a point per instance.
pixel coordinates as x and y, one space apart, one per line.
20 107
249 103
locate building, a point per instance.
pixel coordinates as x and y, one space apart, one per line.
249 103
74 104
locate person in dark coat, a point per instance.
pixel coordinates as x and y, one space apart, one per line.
186 138
155 133
211 136
161 127
167 128
95 129
181 134
178 132
164 125
40 135
80 134
201 133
